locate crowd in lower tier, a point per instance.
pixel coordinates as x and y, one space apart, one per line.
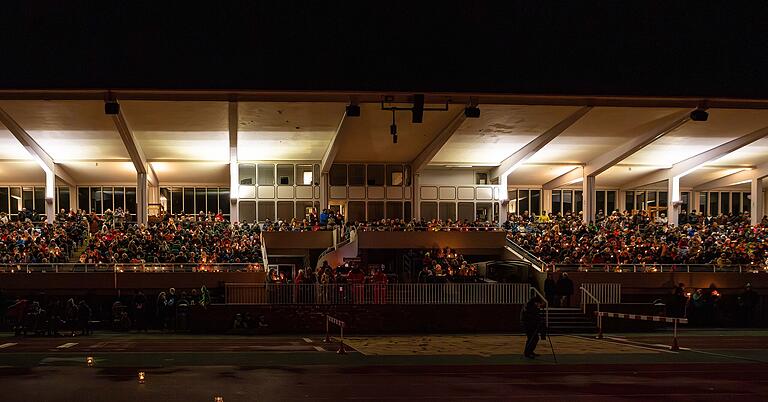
624 238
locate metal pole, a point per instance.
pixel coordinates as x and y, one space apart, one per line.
675 346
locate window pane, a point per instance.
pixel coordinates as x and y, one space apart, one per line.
119 194
511 207
96 200
224 201
481 178
247 211
83 199
685 198
629 200
407 175
212 200
40 200
447 211
285 175
177 200
130 201
394 175
467 211
376 210
610 202
285 210
338 175
713 201
4 199
266 174
27 198
535 202
303 209
599 201
579 201
703 203
200 200
356 211
523 202
735 203
746 201
555 207
662 198
407 215
106 198
724 203
394 209
483 211
189 200
304 175
247 174
567 200
375 175
356 175
428 210
62 201
266 210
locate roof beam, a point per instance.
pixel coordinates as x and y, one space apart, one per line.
640 137
572 176
733 179
35 150
333 147
133 147
682 168
425 156
519 157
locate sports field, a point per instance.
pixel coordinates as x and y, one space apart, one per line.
711 365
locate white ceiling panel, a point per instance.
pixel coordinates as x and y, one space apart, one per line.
192 173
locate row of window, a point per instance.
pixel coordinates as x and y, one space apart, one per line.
13 199
471 211
191 200
284 174
723 202
370 175
99 199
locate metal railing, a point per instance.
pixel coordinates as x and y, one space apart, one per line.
546 305
127 268
659 268
430 229
588 298
526 255
399 293
606 293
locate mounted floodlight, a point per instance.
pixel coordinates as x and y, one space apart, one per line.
472 112
418 108
353 110
699 115
111 107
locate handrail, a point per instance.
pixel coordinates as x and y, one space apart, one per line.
546 306
584 292
526 255
128 267
659 268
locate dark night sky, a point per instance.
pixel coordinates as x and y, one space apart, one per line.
602 47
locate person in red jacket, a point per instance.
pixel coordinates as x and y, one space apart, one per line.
380 286
356 279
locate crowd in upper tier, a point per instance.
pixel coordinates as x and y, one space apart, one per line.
624 238
28 242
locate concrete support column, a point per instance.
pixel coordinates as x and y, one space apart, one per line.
50 196
589 193
72 197
621 201
234 191
142 198
757 204
673 199
416 212
503 200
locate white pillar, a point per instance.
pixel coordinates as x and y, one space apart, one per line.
416 209
142 200
588 195
234 191
546 201
72 197
621 201
756 203
324 189
673 199
503 199
50 196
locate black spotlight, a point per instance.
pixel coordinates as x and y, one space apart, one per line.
472 112
353 110
111 107
699 115
394 139
418 108
393 129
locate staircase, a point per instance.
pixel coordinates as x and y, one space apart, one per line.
569 320
75 257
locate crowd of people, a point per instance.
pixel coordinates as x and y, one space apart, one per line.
25 242
443 265
624 238
421 225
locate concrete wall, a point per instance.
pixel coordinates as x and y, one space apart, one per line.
424 240
295 240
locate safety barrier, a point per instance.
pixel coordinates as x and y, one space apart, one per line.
341 324
372 293
605 293
656 268
673 320
128 268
